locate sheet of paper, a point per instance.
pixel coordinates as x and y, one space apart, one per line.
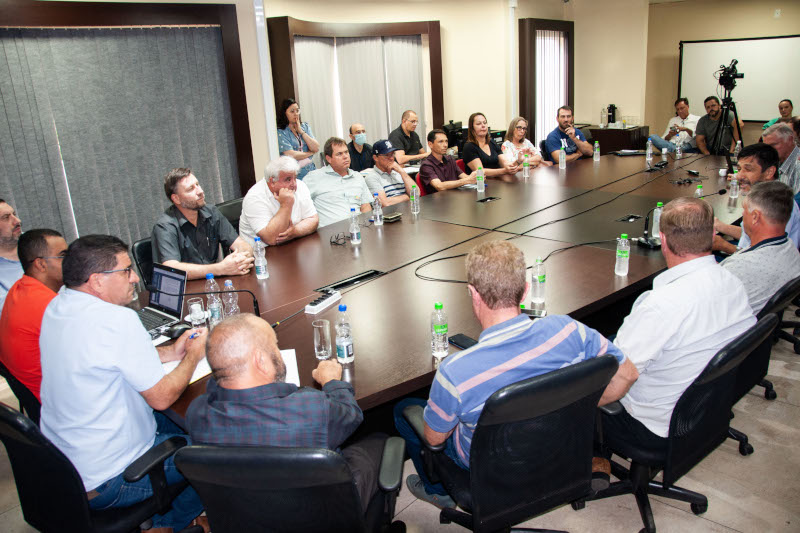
202 370
411 170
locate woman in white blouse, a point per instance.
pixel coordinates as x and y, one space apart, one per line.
516 144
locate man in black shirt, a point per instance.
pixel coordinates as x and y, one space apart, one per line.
187 236
406 140
360 151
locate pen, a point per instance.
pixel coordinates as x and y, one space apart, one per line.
193 335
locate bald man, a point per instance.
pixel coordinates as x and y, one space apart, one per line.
360 151
247 402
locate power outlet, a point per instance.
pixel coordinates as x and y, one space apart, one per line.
777 14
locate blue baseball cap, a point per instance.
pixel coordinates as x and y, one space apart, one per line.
383 147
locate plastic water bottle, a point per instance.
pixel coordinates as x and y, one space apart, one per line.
538 280
260 259
526 167
230 300
214 305
699 192
562 158
438 331
657 221
355 229
596 154
344 337
377 210
736 150
414 199
623 255
734 192
678 151
479 179
603 117
663 155
649 151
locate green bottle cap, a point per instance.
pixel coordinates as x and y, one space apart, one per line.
413 186
522 306
438 305
700 186
538 260
623 236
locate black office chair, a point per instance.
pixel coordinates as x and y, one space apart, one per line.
788 294
51 492
698 425
232 210
28 403
531 450
753 371
299 490
143 256
545 153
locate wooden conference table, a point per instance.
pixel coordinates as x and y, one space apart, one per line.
391 312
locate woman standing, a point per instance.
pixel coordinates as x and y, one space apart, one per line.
480 151
517 145
295 138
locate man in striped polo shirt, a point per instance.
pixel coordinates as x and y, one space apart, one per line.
386 178
511 348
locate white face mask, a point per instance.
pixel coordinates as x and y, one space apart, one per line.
361 138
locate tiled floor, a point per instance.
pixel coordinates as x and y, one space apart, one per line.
758 493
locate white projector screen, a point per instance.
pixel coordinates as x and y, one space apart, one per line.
769 65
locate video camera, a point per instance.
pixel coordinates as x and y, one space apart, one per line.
728 75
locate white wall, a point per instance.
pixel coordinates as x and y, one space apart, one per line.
610 56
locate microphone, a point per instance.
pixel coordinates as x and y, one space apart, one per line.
256 309
653 243
720 192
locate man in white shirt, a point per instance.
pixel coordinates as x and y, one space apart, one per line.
680 130
279 207
694 309
387 178
10 267
102 378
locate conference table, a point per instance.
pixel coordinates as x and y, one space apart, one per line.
549 212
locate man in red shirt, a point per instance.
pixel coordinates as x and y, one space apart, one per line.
41 252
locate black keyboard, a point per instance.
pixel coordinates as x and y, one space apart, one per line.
152 320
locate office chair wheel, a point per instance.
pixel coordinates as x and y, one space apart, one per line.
699 508
744 449
797 312
770 394
578 505
444 520
797 347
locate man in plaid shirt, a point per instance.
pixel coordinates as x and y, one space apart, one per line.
247 402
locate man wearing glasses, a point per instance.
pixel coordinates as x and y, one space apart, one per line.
102 378
409 147
41 252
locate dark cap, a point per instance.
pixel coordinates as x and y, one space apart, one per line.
383 147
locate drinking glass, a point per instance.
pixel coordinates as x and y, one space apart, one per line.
197 315
322 338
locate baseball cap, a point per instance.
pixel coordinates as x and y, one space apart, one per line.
383 147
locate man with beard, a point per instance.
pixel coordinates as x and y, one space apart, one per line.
248 403
187 236
568 136
10 267
706 133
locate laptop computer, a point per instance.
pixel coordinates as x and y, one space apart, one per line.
164 310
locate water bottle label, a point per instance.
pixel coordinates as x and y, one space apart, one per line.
261 269
216 312
440 329
355 235
344 351
540 279
623 253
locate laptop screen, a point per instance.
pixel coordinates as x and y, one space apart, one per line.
171 281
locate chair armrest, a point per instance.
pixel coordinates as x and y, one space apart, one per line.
152 458
613 408
413 413
391 472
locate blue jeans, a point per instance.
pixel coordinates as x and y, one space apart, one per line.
414 445
116 492
662 145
